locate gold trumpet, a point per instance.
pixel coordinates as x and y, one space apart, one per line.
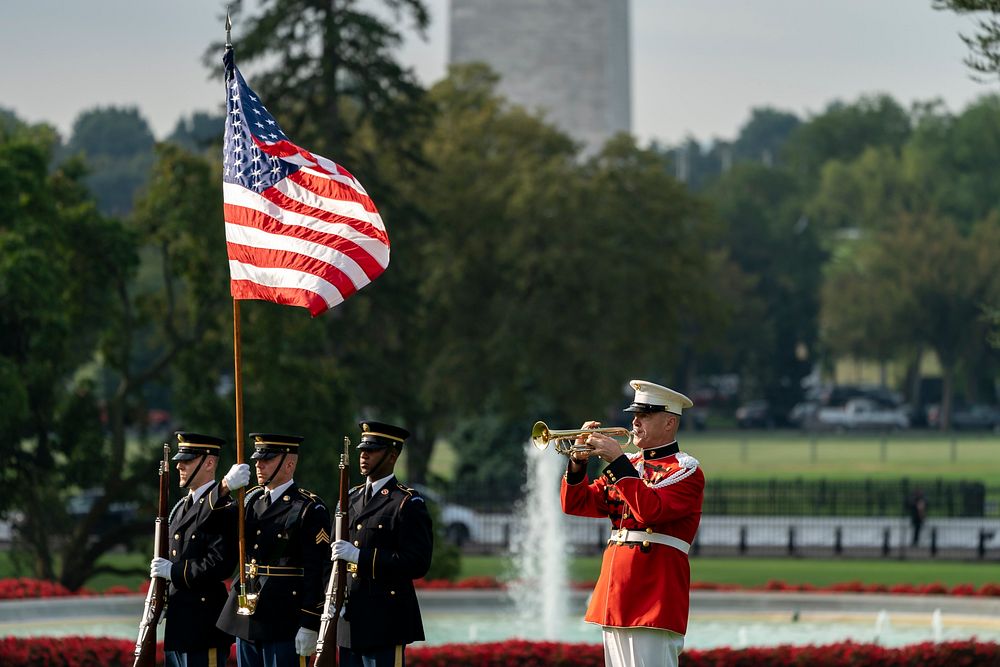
564 442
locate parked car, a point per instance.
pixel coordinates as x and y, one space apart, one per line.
968 417
116 514
461 524
755 414
803 413
861 414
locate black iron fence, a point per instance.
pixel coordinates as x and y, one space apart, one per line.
799 517
822 497
792 497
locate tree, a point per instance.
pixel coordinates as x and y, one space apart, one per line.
776 250
924 281
763 136
985 43
53 244
118 147
844 131
951 159
199 133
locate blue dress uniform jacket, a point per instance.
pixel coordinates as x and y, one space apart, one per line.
287 565
203 549
393 533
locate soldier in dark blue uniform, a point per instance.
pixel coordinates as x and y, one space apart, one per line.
287 531
203 554
390 545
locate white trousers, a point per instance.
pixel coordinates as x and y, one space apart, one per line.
641 647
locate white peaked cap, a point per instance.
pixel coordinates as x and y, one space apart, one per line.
651 397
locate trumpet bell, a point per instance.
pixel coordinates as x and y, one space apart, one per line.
540 435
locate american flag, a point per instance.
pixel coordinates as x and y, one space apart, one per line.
300 229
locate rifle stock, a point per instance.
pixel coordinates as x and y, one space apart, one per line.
156 596
326 646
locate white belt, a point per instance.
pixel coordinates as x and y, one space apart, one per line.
622 536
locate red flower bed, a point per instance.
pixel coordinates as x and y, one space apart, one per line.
69 652
468 583
97 652
514 653
22 587
849 654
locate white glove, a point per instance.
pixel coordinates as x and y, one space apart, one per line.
305 641
237 477
160 567
344 550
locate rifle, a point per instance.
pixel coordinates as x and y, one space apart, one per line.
338 578
156 596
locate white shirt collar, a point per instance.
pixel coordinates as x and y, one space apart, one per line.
379 483
278 490
200 491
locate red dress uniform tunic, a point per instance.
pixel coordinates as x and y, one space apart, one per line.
663 490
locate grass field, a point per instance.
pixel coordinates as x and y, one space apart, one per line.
784 454
741 571
758 571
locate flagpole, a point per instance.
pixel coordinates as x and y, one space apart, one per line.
244 607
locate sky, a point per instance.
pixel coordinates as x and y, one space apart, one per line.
698 67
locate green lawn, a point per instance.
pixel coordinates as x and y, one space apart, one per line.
758 571
790 454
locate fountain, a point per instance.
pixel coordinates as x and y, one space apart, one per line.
541 585
937 626
882 624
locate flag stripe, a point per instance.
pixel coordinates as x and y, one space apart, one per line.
337 189
313 190
341 262
267 258
245 289
241 223
288 282
275 219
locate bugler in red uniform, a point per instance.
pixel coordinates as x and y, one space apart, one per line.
653 499
657 491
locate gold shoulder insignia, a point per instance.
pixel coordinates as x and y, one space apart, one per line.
322 536
309 495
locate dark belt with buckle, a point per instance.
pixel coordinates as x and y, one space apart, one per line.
255 570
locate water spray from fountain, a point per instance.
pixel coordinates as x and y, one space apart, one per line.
882 624
937 626
540 549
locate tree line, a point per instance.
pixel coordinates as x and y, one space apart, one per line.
528 281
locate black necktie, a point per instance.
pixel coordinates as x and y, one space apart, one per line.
267 499
187 504
368 493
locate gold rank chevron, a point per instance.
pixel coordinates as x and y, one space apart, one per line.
322 536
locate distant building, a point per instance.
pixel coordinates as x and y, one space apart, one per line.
569 58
